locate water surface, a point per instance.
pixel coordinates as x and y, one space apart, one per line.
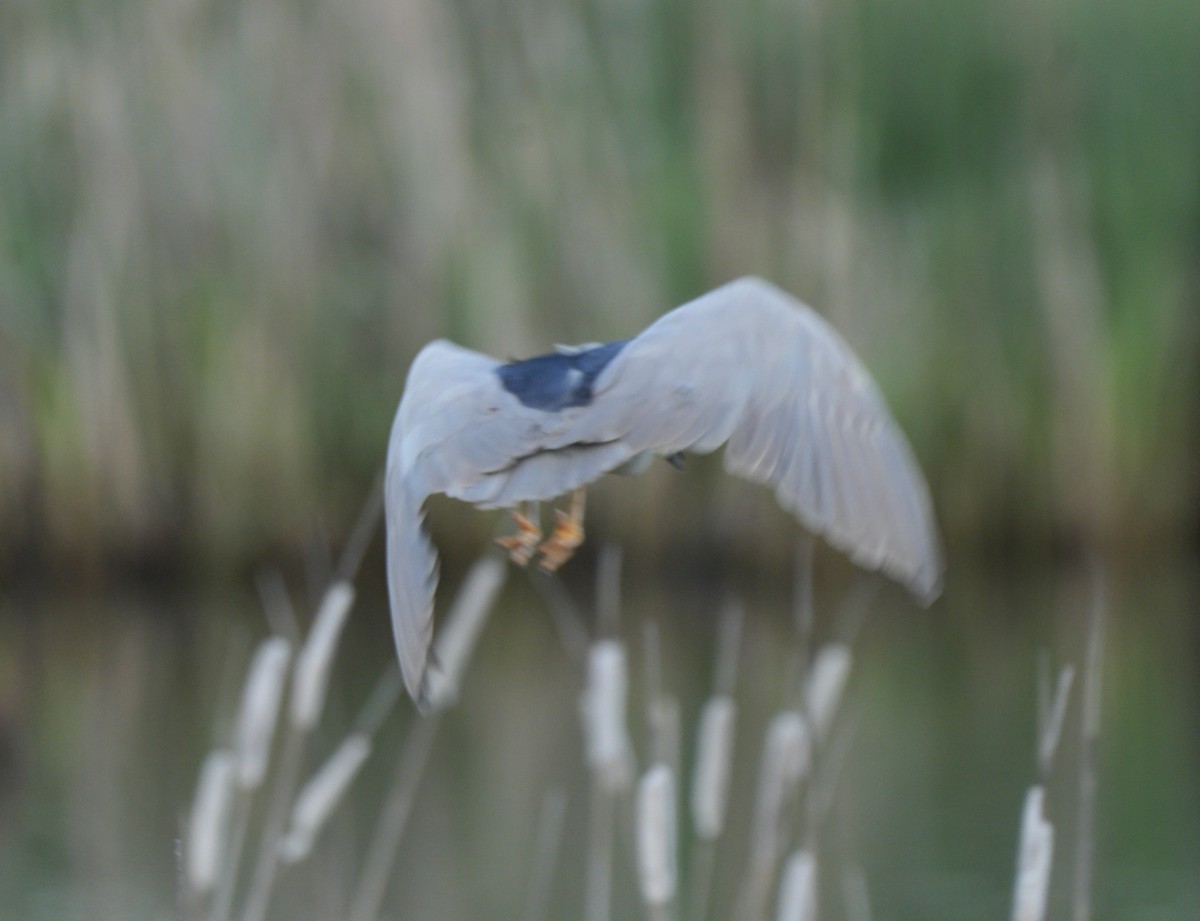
108 705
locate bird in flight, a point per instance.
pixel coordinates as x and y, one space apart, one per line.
745 365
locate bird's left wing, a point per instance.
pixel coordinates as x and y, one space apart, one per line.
751 365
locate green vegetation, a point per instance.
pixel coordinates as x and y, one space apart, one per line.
226 228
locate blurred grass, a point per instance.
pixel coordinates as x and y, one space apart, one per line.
225 229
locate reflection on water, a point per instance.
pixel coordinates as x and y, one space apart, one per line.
108 706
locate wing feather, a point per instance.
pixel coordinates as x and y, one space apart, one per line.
751 365
746 365
412 578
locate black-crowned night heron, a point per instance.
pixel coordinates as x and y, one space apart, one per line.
745 364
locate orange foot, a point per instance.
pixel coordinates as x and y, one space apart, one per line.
522 545
566 537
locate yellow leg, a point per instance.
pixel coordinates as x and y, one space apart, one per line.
522 545
567 534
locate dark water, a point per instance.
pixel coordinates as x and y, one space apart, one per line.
107 707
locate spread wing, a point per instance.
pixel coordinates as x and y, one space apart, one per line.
750 365
745 364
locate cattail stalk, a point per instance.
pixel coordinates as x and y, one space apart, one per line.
714 766
610 761
656 839
210 820
598 892
1089 755
321 795
310 682
728 646
787 755
608 750
393 819
1035 854
259 712
453 649
662 709
608 589
456 641
253 735
798 888
825 686
1052 717
714 761
710 794
316 657
551 818
802 601
603 706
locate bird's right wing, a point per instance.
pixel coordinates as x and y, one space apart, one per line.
459 432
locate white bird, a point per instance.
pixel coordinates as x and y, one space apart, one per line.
745 365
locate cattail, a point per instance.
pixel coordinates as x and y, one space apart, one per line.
826 683
1034 857
454 644
798 890
260 710
714 764
316 657
602 707
320 797
656 835
1050 718
787 754
210 819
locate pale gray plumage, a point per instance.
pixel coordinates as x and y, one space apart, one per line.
745 364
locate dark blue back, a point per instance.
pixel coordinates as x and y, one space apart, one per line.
557 381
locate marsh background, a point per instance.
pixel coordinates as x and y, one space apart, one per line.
227 227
